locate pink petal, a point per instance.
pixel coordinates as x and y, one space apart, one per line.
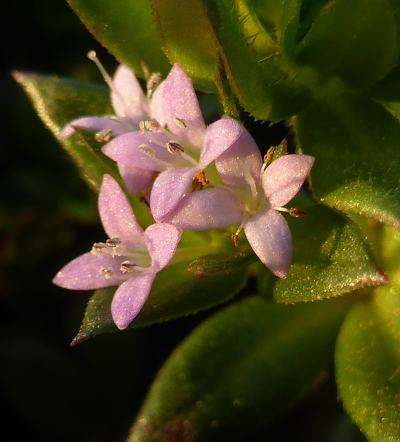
284 178
269 236
130 298
116 214
93 123
156 109
206 210
180 101
161 241
135 179
128 100
125 149
219 137
168 190
84 272
242 159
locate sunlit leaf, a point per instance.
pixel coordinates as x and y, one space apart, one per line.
188 38
356 143
368 356
58 101
330 258
126 28
247 363
267 84
347 37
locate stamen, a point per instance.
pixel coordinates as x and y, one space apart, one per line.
127 267
174 147
179 122
199 181
106 271
296 213
252 184
151 125
235 240
268 156
92 56
113 242
104 136
98 247
147 150
153 82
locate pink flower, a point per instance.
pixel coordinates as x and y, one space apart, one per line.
131 106
252 196
130 258
179 152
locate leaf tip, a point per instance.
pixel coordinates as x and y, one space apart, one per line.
79 338
18 76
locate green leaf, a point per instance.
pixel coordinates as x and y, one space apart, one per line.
176 292
247 363
347 38
368 365
356 143
330 258
188 38
126 28
58 101
267 85
368 357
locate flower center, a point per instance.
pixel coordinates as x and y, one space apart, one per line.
135 259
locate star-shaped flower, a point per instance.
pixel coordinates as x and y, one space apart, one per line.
130 258
253 196
131 106
179 152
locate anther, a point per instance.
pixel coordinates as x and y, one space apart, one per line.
113 242
106 271
152 125
147 150
152 83
179 122
103 136
98 247
235 240
296 213
174 147
268 156
127 267
199 181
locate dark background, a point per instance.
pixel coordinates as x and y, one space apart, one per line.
49 391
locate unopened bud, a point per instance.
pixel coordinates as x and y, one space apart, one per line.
145 69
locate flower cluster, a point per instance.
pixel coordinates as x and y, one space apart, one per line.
200 178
